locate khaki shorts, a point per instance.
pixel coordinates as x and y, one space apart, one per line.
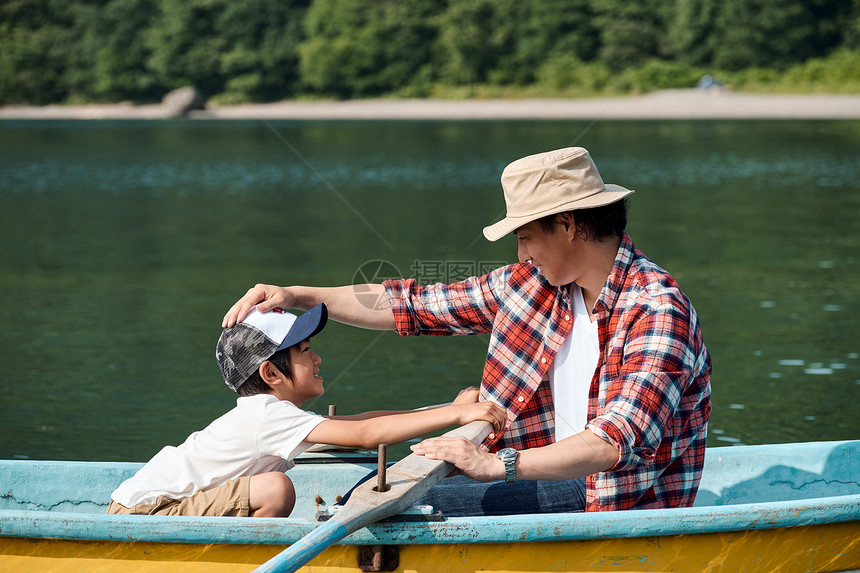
232 499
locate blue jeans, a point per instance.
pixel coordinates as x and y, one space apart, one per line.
460 496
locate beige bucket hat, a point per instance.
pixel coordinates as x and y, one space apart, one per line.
549 183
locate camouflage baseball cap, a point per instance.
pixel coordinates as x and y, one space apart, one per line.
242 348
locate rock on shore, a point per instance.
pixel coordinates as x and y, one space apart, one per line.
180 102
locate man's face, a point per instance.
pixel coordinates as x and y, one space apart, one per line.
550 252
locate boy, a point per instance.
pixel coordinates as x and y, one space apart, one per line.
235 466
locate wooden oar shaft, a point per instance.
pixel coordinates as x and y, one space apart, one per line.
305 549
410 478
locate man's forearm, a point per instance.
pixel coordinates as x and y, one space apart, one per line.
574 457
364 306
577 456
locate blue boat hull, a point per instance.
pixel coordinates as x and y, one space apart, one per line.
753 501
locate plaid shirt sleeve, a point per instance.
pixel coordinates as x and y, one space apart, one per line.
652 397
467 307
657 365
525 317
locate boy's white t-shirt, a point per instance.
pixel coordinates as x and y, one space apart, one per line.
572 370
261 434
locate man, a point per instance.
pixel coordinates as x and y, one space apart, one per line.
594 350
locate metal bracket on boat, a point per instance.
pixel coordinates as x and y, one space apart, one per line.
415 513
378 557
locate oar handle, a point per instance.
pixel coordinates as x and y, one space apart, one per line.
476 432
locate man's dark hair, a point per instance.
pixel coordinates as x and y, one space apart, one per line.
256 385
596 223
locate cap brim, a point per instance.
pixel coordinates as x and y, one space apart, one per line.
611 194
306 325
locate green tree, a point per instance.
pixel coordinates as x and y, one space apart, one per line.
691 31
534 32
507 41
468 45
851 33
36 37
632 32
185 44
367 47
219 45
112 64
263 62
777 33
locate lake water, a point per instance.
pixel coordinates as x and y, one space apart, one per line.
122 244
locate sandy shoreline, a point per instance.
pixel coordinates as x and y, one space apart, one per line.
669 104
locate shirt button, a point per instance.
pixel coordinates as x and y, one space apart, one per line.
543 360
521 399
492 436
567 317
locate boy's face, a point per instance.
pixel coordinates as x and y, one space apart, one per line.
306 380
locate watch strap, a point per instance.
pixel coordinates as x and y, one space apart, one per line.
509 458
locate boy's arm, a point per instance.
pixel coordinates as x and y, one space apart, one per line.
399 427
371 414
466 396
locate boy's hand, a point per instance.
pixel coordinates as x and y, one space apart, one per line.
467 396
487 411
265 297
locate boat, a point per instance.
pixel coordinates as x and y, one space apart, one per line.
779 507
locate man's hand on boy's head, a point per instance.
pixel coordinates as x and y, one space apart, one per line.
467 396
265 297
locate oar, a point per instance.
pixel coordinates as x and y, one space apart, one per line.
408 479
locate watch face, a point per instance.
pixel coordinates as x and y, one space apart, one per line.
506 453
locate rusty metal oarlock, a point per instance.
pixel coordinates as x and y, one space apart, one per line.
382 467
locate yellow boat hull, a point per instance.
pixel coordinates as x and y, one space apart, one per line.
826 547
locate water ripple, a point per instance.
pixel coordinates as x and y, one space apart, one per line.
41 176
417 173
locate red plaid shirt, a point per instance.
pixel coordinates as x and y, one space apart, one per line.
650 395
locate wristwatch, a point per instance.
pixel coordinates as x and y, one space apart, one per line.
509 457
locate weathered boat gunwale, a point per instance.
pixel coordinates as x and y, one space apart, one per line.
527 528
813 468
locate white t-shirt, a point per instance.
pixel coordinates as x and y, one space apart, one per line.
261 434
572 370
